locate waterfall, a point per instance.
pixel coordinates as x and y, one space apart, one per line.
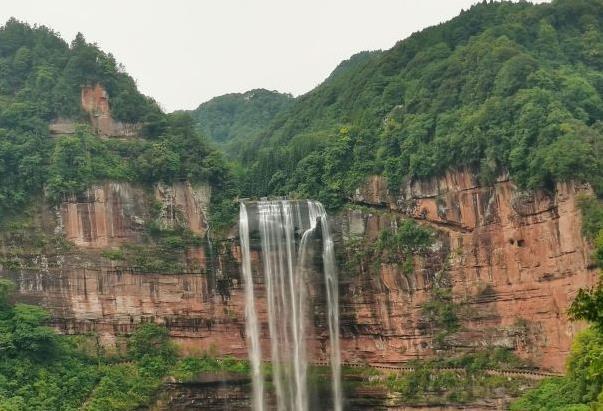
251 320
328 256
285 229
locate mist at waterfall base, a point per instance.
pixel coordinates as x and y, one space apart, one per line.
287 231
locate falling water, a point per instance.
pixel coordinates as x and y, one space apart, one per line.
286 269
328 256
251 322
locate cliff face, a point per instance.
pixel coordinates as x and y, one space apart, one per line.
104 216
510 261
515 263
115 213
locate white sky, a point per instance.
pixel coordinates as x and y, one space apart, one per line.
184 52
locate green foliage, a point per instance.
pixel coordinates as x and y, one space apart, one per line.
403 243
188 368
397 246
6 289
22 329
43 371
493 357
113 255
588 303
81 160
122 387
592 216
38 370
432 382
503 86
151 340
24 153
409 237
39 68
232 118
41 80
581 388
585 364
440 313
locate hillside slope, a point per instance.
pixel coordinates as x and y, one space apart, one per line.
239 116
76 86
503 86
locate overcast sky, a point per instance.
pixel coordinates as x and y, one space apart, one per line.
184 52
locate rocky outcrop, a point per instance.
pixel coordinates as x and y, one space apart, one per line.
184 205
62 126
511 260
95 102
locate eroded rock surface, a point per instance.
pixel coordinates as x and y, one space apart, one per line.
95 102
512 261
115 213
516 261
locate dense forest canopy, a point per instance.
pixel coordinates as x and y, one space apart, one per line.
43 72
233 118
41 80
503 86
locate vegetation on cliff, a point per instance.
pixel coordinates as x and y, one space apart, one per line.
582 386
41 370
459 380
503 86
41 80
43 75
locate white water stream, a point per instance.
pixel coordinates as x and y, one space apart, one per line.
285 229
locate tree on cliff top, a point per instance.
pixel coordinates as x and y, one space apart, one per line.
41 69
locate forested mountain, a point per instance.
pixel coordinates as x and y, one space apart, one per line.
239 116
41 79
503 86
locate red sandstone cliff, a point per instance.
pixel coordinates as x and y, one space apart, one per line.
513 260
516 261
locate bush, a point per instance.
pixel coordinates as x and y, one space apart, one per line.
151 340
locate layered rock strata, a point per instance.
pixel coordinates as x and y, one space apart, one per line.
511 260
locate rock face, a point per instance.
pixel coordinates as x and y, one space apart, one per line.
62 126
516 261
115 213
512 262
95 102
104 216
182 204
